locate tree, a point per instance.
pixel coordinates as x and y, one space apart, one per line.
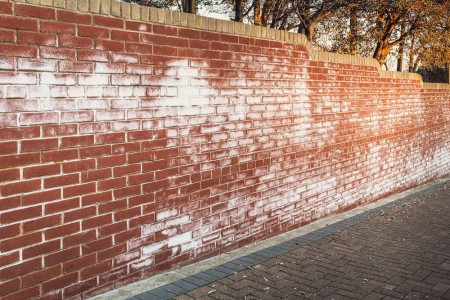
380 28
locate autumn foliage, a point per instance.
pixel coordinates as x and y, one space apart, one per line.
402 34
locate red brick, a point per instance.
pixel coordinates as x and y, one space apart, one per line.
74 17
189 33
28 293
63 230
124 57
78 67
110 138
109 22
10 286
35 38
41 170
97 198
78 190
61 256
37 64
9 175
93 31
80 287
38 145
41 249
62 180
62 205
37 224
18 50
169 41
110 206
127 214
79 165
18 23
20 187
111 161
21 241
35 11
77 141
97 221
7 35
97 245
59 283
165 30
53 52
112 252
41 276
138 48
58 27
77 116
58 130
9 203
79 214
9 231
79 263
113 183
126 170
141 199
138 26
59 155
6 8
75 42
79 238
95 151
37 118
41 197
128 235
112 228
122 35
107 45
95 270
21 214
96 175
93 55
19 133
165 50
10 258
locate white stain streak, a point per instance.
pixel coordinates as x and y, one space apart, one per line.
179 239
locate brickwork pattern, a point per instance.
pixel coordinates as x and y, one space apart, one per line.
129 147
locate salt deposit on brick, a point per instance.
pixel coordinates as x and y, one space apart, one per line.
166 154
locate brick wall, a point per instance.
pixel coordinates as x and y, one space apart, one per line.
133 140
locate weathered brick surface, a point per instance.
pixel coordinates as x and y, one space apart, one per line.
399 254
152 145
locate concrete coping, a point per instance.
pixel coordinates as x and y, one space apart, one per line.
131 11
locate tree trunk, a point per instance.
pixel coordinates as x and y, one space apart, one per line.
308 29
401 51
239 10
189 6
267 8
411 56
353 34
382 51
257 13
275 14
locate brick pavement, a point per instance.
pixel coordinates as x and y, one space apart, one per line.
399 251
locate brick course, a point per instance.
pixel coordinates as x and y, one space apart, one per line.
154 138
